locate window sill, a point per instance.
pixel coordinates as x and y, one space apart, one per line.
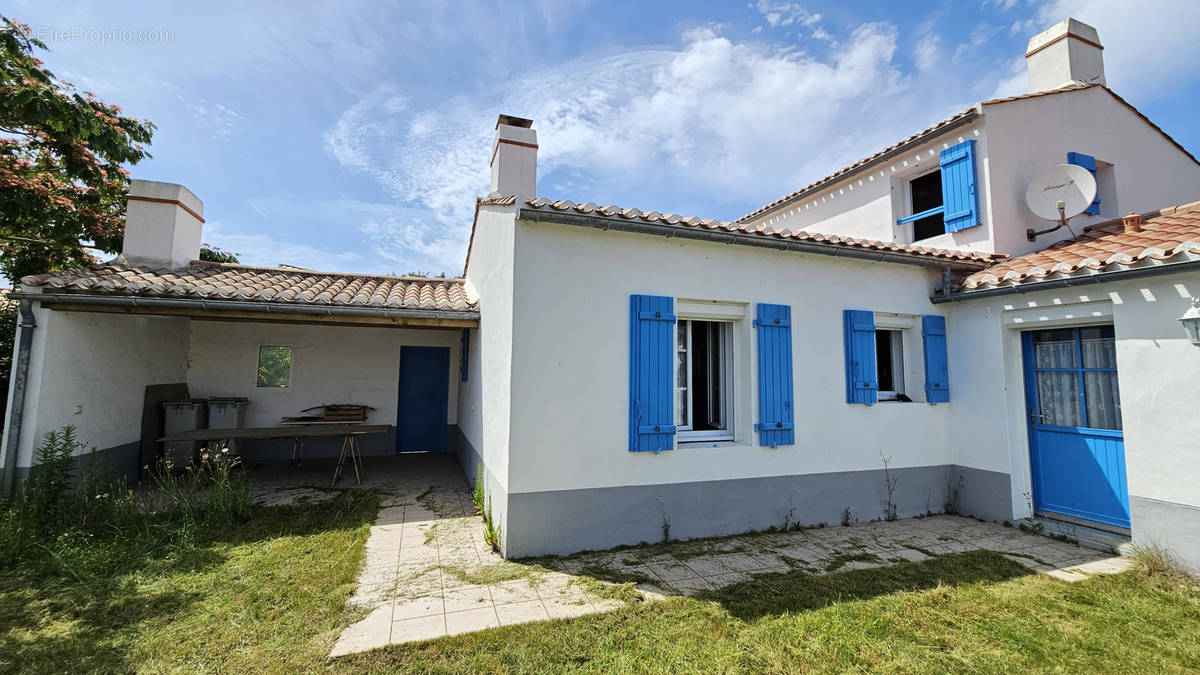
710 444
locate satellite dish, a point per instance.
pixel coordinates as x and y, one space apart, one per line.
1072 186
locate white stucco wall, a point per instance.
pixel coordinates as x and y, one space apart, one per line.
1148 172
330 364
1157 370
90 370
570 387
867 204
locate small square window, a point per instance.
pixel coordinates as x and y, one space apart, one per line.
889 364
274 367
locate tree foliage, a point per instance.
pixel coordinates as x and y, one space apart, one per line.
210 253
62 183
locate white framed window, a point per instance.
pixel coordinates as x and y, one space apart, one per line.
889 364
703 380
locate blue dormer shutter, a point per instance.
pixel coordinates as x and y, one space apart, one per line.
464 355
651 370
958 187
862 383
937 372
775 422
1088 162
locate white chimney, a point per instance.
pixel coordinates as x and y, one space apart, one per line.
1069 52
514 157
163 224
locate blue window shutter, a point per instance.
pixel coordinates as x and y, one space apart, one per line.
651 373
937 372
958 187
862 382
464 354
776 424
1088 162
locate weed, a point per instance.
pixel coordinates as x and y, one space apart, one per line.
889 483
622 590
840 560
431 534
1162 569
666 520
953 492
1035 528
847 518
791 512
477 492
491 529
496 574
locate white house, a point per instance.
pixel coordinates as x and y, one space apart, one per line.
886 342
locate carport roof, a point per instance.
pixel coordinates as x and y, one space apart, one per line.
279 286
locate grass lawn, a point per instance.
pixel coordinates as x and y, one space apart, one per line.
269 596
266 595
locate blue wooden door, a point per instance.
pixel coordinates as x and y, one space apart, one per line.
424 398
1076 443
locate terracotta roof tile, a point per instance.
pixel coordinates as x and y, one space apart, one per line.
279 285
1167 236
951 256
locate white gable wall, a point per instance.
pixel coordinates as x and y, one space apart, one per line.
1015 141
868 203
1031 135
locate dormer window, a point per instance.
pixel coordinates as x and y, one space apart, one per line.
944 200
926 195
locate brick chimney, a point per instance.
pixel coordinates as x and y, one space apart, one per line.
163 223
514 157
1069 52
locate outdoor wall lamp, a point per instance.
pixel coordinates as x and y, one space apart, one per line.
1191 322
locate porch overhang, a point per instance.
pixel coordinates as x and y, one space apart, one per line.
242 310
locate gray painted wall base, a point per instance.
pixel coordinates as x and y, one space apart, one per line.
1175 527
110 464
566 521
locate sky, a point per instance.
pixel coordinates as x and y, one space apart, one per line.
354 136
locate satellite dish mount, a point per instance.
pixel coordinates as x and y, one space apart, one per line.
1059 193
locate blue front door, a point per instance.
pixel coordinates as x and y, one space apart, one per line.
1076 444
423 400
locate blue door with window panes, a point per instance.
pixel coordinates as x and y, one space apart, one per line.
1074 408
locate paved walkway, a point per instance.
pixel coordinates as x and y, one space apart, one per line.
428 572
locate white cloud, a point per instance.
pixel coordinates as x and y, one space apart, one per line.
712 114
786 14
928 52
269 250
1150 47
220 121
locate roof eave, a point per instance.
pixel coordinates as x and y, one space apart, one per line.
960 120
204 306
1071 281
747 239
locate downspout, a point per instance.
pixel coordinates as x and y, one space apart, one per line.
16 406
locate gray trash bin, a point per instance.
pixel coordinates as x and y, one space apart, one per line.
178 416
228 413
